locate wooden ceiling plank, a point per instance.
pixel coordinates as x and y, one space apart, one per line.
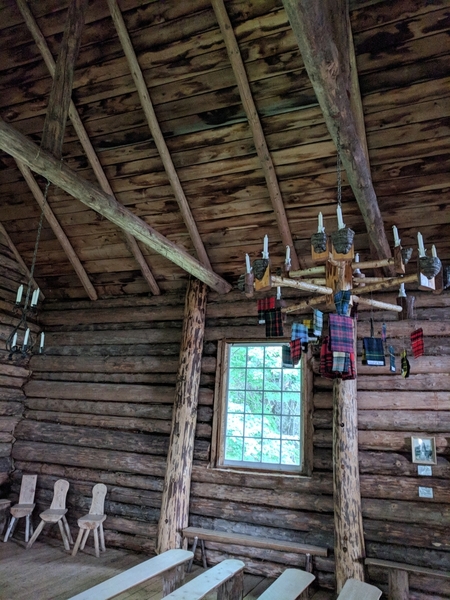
262 149
85 141
61 92
57 230
324 37
19 259
17 145
156 132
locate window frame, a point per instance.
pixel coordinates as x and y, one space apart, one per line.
219 416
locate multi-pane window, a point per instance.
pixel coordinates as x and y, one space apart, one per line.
262 418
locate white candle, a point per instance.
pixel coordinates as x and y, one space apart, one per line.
278 293
34 297
320 227
288 254
266 247
27 335
19 294
433 251
357 257
341 223
420 242
14 341
396 238
41 345
401 291
247 263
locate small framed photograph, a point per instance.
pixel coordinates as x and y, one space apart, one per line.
423 450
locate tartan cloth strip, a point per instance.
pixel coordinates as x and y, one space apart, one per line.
392 359
342 301
405 365
417 343
286 358
299 332
265 304
373 352
339 361
350 367
341 333
326 363
296 351
317 322
274 323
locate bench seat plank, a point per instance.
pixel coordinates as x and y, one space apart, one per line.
208 581
249 540
289 586
158 565
358 590
378 562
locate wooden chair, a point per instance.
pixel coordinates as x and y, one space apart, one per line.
24 507
290 585
358 590
93 521
56 514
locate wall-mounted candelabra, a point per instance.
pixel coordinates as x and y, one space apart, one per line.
31 342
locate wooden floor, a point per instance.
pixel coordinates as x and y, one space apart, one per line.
48 572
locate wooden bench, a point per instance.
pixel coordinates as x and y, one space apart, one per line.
290 585
227 578
169 565
358 590
399 576
224 537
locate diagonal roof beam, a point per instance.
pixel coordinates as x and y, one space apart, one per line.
86 142
61 92
17 145
324 36
57 230
262 150
19 259
156 132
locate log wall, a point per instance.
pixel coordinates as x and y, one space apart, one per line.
99 408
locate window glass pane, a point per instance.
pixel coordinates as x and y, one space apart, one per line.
271 451
255 357
292 381
273 357
234 448
255 379
272 379
272 403
238 356
290 452
253 426
254 402
291 427
272 427
252 450
291 403
237 379
236 401
235 424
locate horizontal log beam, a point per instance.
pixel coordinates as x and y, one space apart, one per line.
18 146
299 285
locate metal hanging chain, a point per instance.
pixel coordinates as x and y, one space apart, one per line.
36 245
339 169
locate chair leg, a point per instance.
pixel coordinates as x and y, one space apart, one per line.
64 535
67 528
10 528
77 543
102 538
35 535
97 551
27 527
85 537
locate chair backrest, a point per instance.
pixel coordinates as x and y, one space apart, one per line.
358 590
98 499
59 494
27 489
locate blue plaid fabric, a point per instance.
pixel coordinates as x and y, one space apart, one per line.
342 301
373 352
317 322
299 332
341 333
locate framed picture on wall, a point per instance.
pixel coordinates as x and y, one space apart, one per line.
423 450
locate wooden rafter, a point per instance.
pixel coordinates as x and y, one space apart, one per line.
17 145
324 36
61 92
57 230
262 150
85 141
156 132
19 259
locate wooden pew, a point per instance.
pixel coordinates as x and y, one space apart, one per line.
399 575
227 578
290 585
224 537
169 565
358 590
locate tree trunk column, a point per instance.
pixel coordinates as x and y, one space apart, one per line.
175 499
349 539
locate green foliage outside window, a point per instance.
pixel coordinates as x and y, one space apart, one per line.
263 416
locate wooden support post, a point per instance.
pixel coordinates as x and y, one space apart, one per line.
398 584
177 484
348 537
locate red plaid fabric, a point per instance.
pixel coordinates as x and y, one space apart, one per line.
350 367
326 360
417 343
341 333
296 351
264 305
274 323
